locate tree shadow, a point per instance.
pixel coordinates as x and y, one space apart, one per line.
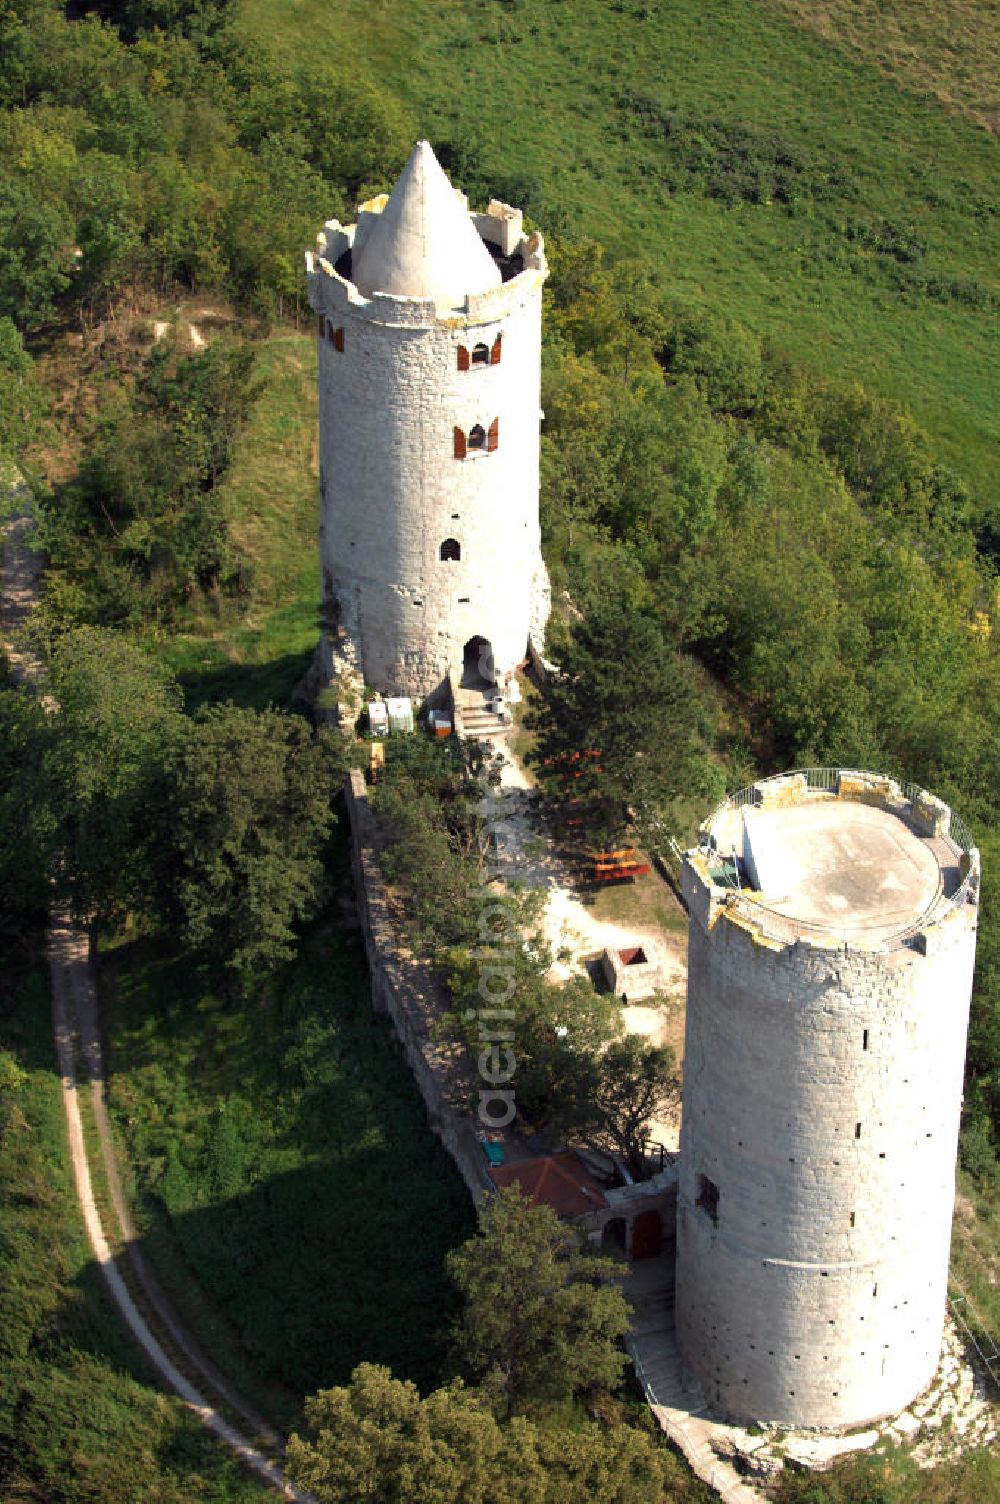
328 1266
251 685
289 1180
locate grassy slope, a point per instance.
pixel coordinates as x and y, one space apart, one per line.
947 48
284 1163
271 498
537 86
75 1424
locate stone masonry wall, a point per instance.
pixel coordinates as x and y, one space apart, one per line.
821 1108
402 987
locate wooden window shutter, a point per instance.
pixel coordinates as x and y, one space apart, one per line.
463 358
338 339
495 352
459 444
320 325
493 437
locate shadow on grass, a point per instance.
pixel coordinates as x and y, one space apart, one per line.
79 1416
327 1266
287 1178
291 1199
211 677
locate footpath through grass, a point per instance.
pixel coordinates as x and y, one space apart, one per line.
761 170
80 1419
285 1171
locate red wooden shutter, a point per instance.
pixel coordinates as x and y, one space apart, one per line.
493 437
495 352
463 358
338 339
459 444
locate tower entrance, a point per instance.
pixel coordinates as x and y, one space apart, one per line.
477 664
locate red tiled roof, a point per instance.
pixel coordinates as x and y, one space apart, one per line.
561 1181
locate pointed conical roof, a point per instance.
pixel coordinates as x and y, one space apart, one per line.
423 244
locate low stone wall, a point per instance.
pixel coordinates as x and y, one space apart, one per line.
403 987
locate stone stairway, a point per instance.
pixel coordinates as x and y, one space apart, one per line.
679 1409
477 718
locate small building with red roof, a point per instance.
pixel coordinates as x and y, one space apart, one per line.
561 1181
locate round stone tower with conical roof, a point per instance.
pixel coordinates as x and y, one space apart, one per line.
429 327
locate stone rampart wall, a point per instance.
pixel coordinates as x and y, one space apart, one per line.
402 987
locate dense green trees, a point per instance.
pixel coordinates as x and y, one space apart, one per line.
428 805
541 1318
141 528
247 812
213 826
799 538
621 729
377 1440
142 142
27 838
118 713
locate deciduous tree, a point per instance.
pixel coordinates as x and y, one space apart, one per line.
632 1084
250 807
118 713
620 726
376 1441
542 1319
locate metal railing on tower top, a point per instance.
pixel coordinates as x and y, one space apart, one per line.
828 781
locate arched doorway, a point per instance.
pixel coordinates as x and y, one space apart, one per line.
477 664
614 1235
647 1235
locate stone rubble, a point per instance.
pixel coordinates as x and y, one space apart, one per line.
955 1414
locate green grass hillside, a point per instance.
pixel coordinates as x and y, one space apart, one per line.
80 1420
765 171
287 1182
945 48
271 502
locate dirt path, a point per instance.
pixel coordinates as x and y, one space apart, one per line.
74 1019
526 854
22 568
73 980
68 954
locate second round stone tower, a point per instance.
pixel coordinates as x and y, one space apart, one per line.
429 325
831 950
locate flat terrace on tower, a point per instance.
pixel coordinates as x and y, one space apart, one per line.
856 856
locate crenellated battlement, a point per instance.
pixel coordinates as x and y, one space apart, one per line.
333 290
